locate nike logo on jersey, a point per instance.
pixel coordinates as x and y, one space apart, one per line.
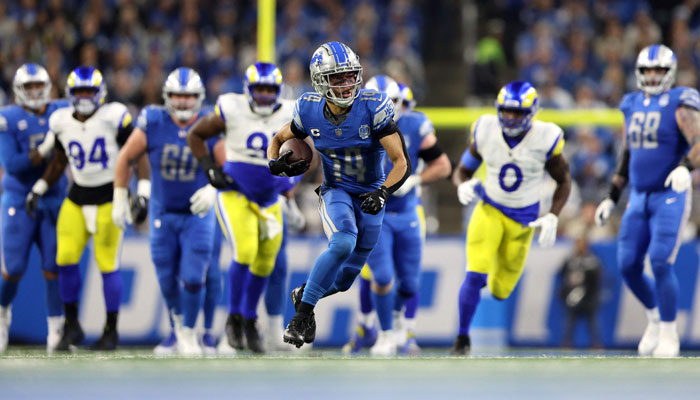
671 200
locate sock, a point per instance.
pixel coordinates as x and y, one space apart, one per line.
366 305
71 310
253 290
8 290
275 325
111 320
112 287
653 315
469 298
276 291
236 276
411 306
668 328
323 274
191 303
367 319
211 299
410 324
69 283
384 304
54 306
666 290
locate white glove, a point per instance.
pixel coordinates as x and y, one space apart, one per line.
466 191
202 200
548 229
411 182
121 213
679 179
602 213
295 218
45 147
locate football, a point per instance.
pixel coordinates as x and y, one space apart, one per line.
300 150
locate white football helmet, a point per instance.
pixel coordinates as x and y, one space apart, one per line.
383 83
183 81
656 56
330 59
31 98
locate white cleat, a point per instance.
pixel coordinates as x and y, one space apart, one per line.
224 348
385 345
400 331
188 343
55 329
167 347
5 320
650 338
208 343
668 343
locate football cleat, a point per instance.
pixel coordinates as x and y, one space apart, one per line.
252 336
234 331
107 342
208 344
168 346
461 346
5 319
72 337
385 345
668 343
410 348
224 348
297 295
55 331
650 339
187 343
301 329
364 336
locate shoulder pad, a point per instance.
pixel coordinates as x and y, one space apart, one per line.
3 122
689 97
381 108
310 96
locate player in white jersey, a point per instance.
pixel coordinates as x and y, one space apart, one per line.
247 207
516 151
88 136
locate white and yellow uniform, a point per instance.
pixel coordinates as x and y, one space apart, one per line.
498 238
92 149
250 215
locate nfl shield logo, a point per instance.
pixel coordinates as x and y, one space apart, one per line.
338 131
364 131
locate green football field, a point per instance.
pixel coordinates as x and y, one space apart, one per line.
27 373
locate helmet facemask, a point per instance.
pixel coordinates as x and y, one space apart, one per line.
183 94
514 121
341 88
263 98
182 106
85 100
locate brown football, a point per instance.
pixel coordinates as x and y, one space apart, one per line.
300 150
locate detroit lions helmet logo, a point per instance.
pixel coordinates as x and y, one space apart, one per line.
317 58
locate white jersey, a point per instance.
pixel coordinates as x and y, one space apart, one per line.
247 133
514 175
91 146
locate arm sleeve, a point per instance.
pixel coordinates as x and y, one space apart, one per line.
389 129
431 153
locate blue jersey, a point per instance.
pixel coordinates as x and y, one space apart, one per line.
414 126
655 142
352 156
20 132
175 173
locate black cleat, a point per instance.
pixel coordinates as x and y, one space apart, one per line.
71 338
234 331
107 342
301 329
461 346
252 336
297 294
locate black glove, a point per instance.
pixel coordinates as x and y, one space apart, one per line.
31 202
215 175
281 167
374 201
139 209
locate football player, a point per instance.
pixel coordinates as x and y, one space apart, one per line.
353 129
398 251
661 124
247 209
516 151
88 135
181 219
24 145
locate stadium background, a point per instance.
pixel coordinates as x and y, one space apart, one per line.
454 54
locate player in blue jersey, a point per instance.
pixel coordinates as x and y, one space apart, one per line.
353 130
660 122
398 251
23 150
181 219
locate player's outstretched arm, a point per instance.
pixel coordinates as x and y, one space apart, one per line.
619 181
206 127
51 175
463 175
396 151
558 169
688 120
284 134
132 151
438 165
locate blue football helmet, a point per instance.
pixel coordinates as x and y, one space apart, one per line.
32 98
183 81
263 74
656 56
521 97
85 77
334 58
383 83
409 101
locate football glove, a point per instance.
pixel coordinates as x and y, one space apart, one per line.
373 202
548 229
139 205
679 179
411 182
121 215
203 200
602 212
466 191
280 166
215 175
31 202
295 218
